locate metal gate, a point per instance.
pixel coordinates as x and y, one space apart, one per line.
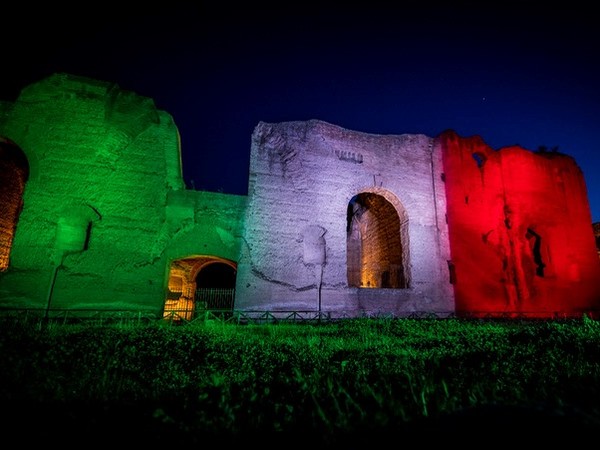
214 298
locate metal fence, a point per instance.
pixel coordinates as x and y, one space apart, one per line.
214 298
191 315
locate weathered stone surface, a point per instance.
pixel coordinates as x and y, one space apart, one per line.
303 176
520 230
105 176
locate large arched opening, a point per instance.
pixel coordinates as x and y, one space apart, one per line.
14 172
377 241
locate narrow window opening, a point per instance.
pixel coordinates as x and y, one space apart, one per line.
536 250
452 272
479 159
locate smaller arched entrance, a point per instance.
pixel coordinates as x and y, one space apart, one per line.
198 284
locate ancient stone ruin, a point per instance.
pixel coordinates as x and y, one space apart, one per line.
95 217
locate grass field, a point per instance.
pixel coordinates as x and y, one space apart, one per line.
346 384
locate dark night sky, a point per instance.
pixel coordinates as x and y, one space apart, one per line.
522 73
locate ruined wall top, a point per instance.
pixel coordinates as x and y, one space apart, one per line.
62 84
64 114
302 131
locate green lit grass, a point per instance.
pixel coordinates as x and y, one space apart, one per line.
349 378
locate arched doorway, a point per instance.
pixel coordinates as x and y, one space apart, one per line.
377 241
198 284
14 172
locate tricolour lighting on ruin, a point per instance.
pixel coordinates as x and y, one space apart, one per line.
96 217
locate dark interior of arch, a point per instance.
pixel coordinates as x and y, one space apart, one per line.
216 275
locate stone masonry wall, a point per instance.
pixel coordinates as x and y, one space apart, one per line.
302 177
520 231
101 163
204 224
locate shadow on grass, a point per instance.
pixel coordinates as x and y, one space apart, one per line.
76 424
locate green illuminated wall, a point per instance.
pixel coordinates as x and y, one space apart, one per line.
204 223
105 208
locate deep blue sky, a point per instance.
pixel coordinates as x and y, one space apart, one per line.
523 73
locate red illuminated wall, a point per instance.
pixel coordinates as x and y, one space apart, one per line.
520 228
